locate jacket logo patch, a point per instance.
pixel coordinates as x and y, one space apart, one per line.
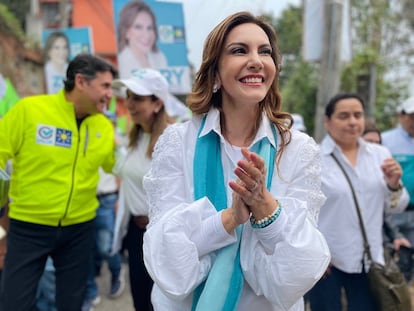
63 137
52 136
45 134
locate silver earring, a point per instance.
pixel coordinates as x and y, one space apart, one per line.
215 88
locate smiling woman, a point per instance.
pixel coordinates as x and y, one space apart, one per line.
137 37
233 193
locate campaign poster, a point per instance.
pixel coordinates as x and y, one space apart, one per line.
60 46
151 34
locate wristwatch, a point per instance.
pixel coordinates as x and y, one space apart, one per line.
399 188
395 194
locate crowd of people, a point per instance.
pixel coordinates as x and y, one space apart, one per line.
236 208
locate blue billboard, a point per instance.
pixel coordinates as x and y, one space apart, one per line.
151 34
60 46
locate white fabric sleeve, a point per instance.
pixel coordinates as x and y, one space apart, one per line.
284 260
176 246
212 235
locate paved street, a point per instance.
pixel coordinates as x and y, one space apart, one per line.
122 303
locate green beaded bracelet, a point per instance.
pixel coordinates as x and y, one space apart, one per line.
263 223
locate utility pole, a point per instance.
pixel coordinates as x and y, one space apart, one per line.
64 10
34 25
372 91
329 75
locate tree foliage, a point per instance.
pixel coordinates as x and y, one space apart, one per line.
9 24
382 37
289 30
19 8
298 79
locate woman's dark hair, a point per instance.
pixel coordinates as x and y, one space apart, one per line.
370 127
330 107
88 65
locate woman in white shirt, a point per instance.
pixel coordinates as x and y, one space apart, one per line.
375 177
234 194
146 94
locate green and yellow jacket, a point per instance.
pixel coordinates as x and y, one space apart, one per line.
54 162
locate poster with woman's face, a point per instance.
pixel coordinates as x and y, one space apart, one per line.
151 34
60 46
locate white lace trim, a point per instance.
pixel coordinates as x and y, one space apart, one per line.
310 153
156 182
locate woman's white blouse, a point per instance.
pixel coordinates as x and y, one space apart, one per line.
338 219
280 262
132 198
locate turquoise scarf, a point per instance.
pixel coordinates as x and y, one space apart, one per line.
222 289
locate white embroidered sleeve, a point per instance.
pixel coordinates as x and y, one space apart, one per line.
173 247
283 261
164 173
309 157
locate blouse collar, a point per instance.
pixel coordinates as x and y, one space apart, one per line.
213 124
328 145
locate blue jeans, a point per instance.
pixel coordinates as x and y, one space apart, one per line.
105 223
326 294
28 246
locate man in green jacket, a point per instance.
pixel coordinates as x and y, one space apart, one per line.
56 144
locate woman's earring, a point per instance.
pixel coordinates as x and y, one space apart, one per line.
215 88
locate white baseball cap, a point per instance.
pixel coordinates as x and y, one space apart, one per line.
407 106
145 82
298 122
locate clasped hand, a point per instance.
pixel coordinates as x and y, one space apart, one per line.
250 194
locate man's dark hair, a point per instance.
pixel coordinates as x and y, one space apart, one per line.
330 107
88 65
